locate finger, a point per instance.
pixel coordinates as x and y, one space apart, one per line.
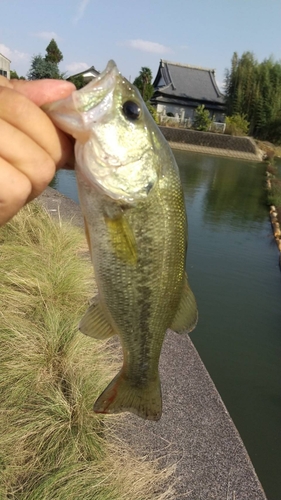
23 114
29 158
4 82
15 189
43 91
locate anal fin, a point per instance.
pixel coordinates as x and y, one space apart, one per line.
94 322
186 317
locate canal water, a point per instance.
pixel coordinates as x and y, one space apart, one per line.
233 269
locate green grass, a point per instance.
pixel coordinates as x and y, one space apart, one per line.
52 444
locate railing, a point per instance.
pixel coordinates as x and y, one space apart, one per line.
217 127
175 121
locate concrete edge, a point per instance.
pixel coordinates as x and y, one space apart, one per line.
228 153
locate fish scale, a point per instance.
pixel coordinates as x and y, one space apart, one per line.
131 197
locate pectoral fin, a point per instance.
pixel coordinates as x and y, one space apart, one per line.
186 317
122 239
94 322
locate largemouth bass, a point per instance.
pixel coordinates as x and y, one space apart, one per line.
132 200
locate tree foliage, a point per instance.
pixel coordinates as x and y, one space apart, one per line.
202 119
40 68
78 81
237 125
146 89
46 67
143 83
54 54
13 74
253 90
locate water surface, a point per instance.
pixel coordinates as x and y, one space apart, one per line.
233 269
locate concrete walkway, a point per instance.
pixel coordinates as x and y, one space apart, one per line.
195 432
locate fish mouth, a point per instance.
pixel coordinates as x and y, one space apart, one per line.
75 113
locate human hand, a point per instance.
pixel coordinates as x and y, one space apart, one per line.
31 147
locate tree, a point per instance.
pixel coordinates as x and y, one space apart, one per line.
78 81
202 120
143 83
54 54
253 90
46 67
40 68
13 74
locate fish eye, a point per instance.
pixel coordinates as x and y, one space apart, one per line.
131 110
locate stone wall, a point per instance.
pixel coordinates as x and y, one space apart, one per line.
210 140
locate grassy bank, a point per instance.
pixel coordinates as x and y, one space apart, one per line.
270 150
52 444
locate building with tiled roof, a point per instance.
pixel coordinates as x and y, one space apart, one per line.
180 89
88 74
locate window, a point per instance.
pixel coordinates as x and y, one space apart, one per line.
3 72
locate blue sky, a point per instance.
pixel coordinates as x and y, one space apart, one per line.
139 33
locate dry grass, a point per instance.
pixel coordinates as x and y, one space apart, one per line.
52 444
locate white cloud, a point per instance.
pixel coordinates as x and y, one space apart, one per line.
77 67
146 46
13 54
221 85
47 35
80 10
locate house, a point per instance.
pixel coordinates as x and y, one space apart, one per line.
180 89
88 74
4 66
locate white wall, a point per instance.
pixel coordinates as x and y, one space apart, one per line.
188 112
4 66
171 108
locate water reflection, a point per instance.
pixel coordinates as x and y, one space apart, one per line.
232 189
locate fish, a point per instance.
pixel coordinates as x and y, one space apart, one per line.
136 227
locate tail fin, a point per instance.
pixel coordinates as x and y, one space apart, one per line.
120 395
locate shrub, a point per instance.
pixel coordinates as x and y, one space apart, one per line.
152 111
237 125
78 81
202 120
